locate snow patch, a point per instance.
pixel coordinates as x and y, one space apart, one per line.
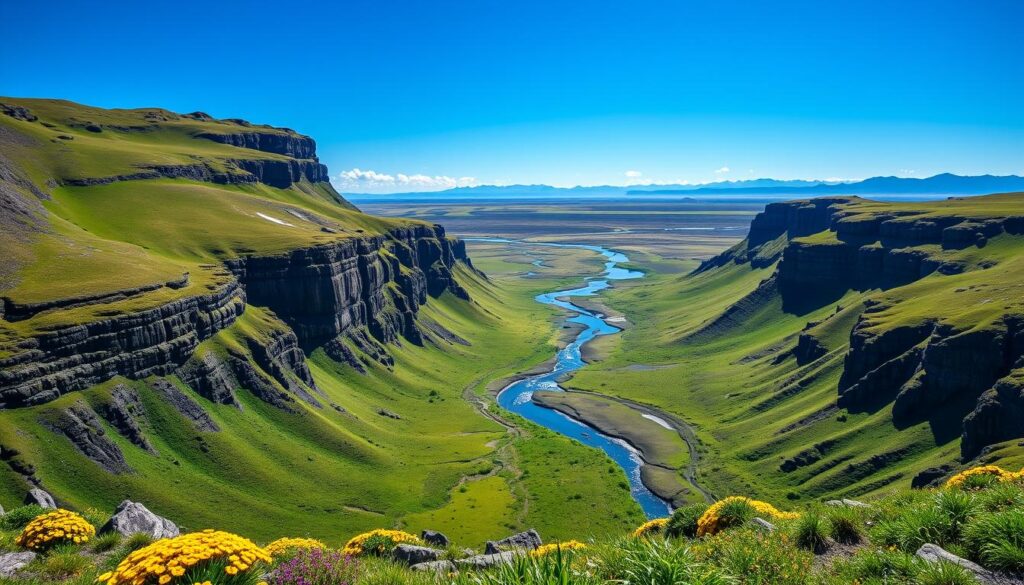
274 219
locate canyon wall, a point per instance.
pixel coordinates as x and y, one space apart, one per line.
321 292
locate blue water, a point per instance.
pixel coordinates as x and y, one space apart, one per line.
517 397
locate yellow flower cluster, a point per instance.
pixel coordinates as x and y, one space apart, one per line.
709 522
354 547
994 470
547 549
283 544
653 527
55 527
169 559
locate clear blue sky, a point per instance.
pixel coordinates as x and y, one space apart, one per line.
560 92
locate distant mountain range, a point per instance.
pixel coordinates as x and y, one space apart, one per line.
944 184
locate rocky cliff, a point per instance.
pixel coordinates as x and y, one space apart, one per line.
324 292
961 373
334 276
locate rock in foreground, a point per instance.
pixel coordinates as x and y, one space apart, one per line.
133 518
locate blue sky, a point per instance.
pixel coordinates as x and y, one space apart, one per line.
429 94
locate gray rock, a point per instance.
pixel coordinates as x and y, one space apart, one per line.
41 498
847 503
933 553
763 524
411 554
528 540
434 567
488 560
432 537
132 518
2 511
11 563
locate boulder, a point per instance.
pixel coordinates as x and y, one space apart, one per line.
847 503
133 518
931 477
411 554
933 553
763 524
488 560
434 567
11 563
526 540
40 498
432 537
2 511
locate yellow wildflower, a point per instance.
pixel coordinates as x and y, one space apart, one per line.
354 547
656 526
562 546
710 522
54 527
166 560
994 470
284 544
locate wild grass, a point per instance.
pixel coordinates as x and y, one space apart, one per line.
741 554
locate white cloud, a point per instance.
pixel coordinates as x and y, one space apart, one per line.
907 171
633 174
370 181
722 171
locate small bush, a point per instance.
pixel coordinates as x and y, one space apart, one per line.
959 507
810 532
752 556
877 565
63 564
846 524
943 573
552 569
1001 496
54 528
997 540
655 562
315 566
378 542
19 517
651 528
106 542
915 527
378 571
135 542
683 522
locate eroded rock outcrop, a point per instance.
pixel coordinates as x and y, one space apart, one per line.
921 368
82 427
151 342
925 367
288 144
123 411
376 282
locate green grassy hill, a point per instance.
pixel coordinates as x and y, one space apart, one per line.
844 348
192 317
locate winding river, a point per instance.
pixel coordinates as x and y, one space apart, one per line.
517 397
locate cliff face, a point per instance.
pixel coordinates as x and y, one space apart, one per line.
290 144
152 342
323 292
376 282
346 280
962 374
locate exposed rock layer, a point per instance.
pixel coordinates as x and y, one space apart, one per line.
367 290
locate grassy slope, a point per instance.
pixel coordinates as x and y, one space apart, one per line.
319 471
728 382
